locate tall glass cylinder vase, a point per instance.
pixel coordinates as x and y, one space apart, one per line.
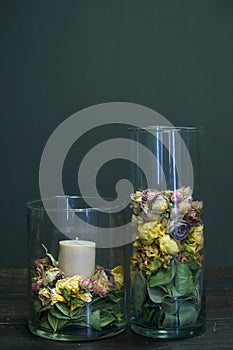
167 262
76 269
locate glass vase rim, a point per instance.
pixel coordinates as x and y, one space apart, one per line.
166 128
38 204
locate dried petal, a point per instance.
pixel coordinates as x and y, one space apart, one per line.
118 273
45 296
168 245
178 230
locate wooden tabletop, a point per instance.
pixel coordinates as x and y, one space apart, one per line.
14 333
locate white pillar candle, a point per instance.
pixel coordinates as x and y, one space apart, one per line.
77 257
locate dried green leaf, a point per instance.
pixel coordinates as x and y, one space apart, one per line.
168 320
156 294
47 307
162 276
53 321
56 323
193 265
53 260
138 291
61 324
151 312
37 305
184 279
66 294
95 320
187 314
63 308
170 306
44 322
106 317
56 313
172 291
114 297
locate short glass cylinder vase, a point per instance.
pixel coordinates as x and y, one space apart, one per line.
167 291
77 283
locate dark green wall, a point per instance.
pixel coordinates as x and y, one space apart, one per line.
58 57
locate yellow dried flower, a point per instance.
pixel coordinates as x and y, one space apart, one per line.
136 220
147 258
55 297
195 240
168 245
87 297
150 231
137 196
165 260
118 273
70 284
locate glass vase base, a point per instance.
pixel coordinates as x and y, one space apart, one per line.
81 335
167 333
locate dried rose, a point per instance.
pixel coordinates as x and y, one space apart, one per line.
136 220
136 200
197 205
186 191
168 245
110 279
195 240
100 287
185 204
37 285
176 196
55 297
149 195
178 230
86 284
154 203
137 196
72 286
193 217
52 275
150 231
149 258
159 204
45 296
41 265
147 214
103 281
180 209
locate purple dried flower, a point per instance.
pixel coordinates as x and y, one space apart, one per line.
86 284
37 285
193 217
110 277
178 230
176 196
